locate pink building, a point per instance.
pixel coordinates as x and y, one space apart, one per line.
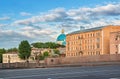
115 42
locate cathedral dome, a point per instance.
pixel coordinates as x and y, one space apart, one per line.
61 37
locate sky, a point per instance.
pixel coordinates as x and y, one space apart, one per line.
43 20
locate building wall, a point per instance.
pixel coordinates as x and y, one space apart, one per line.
11 58
90 42
115 43
83 43
106 37
39 50
83 59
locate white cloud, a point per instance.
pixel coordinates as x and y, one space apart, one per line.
115 22
46 26
4 18
51 16
110 9
27 28
34 33
25 14
80 14
1 25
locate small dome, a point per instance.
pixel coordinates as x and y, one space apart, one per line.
61 37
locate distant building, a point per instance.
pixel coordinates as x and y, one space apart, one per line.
115 42
11 57
62 51
39 51
93 41
61 39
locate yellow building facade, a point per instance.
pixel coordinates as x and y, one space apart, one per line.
94 41
11 58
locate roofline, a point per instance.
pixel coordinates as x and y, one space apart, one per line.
90 29
85 30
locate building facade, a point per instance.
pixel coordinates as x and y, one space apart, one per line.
40 51
115 42
94 41
11 58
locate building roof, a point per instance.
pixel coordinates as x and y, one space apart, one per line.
87 30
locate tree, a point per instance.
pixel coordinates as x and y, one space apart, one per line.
38 45
2 51
41 57
24 50
56 51
12 50
51 45
46 54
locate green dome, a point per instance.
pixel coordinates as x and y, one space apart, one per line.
61 37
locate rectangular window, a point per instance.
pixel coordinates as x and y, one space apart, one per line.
98 34
98 45
98 40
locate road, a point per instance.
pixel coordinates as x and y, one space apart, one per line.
95 72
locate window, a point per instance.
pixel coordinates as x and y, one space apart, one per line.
98 40
116 46
98 34
117 37
88 53
98 45
81 36
97 52
68 48
88 35
91 34
78 37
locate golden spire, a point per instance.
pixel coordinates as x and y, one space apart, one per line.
62 31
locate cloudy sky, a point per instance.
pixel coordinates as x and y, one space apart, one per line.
42 20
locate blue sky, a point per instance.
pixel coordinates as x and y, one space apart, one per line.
42 20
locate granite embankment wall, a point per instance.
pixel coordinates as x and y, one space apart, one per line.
68 61
84 60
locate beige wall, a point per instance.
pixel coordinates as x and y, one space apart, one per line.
83 59
115 42
11 58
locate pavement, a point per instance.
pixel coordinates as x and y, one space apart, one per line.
93 72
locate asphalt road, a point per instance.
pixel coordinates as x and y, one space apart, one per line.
95 72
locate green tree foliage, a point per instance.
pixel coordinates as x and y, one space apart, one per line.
2 51
51 45
12 50
41 57
24 50
38 45
45 55
56 51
